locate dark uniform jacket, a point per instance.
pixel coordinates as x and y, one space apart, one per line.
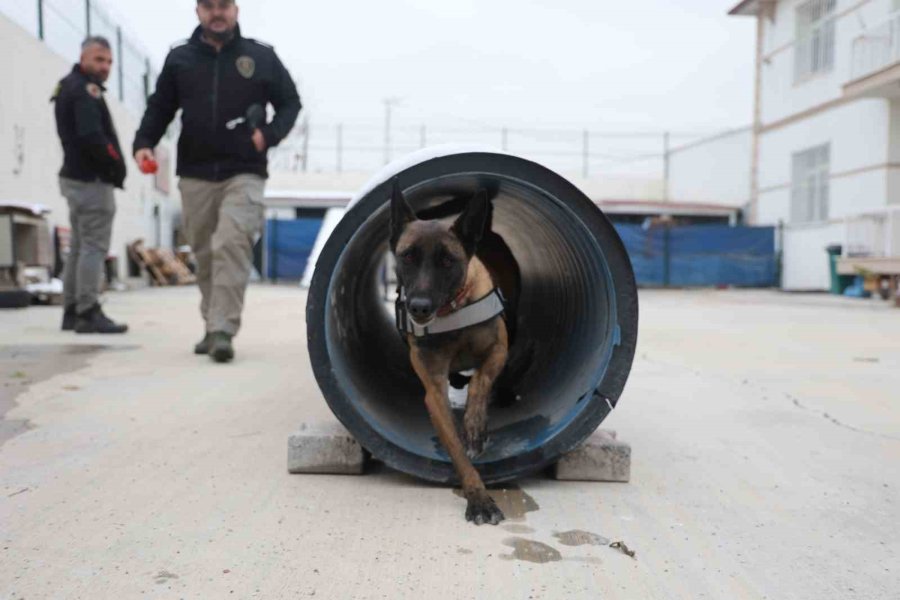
90 144
213 88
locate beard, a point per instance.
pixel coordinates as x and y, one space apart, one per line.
218 36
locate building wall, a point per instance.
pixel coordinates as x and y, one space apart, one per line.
782 96
714 170
31 155
864 138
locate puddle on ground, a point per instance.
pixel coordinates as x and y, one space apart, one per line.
512 500
24 365
530 551
576 537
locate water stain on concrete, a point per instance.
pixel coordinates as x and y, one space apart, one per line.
463 551
512 500
530 551
516 528
576 537
29 364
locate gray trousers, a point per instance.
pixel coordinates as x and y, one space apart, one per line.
222 220
92 207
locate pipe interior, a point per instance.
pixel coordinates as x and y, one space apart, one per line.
566 322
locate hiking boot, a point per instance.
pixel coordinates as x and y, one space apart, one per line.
69 318
202 347
94 321
220 348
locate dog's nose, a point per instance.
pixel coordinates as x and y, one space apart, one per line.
420 308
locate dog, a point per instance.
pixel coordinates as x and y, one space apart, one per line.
440 273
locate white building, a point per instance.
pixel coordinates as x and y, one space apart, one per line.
825 157
30 151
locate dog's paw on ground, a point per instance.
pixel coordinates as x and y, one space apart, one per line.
482 509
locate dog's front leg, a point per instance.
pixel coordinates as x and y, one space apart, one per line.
433 373
479 394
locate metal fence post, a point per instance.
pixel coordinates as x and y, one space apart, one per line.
666 166
305 144
87 16
146 79
40 18
121 64
584 153
340 148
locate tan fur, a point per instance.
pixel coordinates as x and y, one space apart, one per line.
484 348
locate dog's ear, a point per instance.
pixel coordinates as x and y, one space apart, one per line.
469 226
401 214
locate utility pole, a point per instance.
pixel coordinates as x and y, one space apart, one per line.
389 103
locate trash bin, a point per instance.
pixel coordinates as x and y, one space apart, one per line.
839 283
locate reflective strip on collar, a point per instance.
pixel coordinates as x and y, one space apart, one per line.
472 314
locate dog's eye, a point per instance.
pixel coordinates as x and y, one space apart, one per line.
408 258
446 261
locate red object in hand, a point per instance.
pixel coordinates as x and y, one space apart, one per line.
149 166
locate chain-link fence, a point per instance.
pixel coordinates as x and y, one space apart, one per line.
327 147
63 25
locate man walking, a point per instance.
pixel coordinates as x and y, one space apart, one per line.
92 167
220 80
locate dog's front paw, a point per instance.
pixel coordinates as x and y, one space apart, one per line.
482 509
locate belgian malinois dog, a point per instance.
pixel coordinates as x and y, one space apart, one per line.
440 271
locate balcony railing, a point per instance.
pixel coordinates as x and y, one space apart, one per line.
876 48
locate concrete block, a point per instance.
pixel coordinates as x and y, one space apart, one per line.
601 458
325 448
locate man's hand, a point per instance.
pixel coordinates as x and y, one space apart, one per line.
259 141
143 154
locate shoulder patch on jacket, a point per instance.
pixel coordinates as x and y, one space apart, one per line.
94 90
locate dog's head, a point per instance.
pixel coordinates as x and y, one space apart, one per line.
432 259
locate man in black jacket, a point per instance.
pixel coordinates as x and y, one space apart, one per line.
217 78
92 167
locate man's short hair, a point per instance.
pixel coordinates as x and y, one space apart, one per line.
98 40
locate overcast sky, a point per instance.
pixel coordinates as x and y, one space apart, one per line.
680 65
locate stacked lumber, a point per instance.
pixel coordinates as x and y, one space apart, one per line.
161 264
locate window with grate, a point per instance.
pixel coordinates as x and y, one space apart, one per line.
809 184
814 46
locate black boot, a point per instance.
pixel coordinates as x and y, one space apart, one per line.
220 348
69 318
94 321
202 347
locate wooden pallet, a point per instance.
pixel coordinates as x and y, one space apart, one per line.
161 265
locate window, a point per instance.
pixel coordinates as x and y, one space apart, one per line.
809 184
814 48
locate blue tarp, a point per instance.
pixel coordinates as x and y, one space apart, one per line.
702 255
288 246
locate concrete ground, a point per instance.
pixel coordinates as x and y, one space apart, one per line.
766 464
